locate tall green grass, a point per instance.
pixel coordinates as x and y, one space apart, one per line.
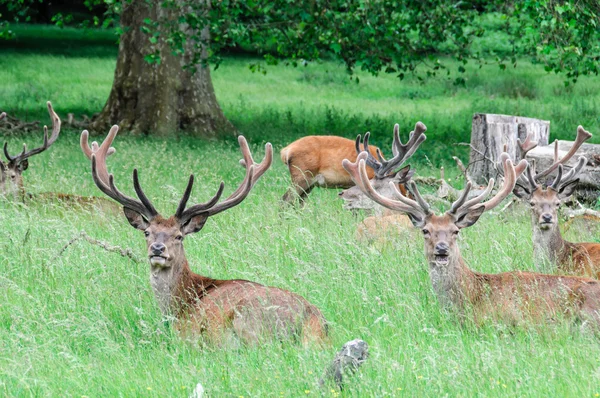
85 322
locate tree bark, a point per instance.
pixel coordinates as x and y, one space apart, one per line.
161 97
490 133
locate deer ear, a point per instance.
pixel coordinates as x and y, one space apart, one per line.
404 175
194 225
469 217
567 190
23 165
136 219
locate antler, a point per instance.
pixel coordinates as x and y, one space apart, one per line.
562 180
358 172
582 136
510 173
105 181
527 145
103 151
401 152
210 208
47 141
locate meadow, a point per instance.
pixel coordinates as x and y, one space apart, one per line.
84 322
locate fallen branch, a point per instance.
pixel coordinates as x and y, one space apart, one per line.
106 246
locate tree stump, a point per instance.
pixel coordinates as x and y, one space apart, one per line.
491 133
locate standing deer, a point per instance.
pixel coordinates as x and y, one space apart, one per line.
11 178
201 305
316 160
512 297
549 247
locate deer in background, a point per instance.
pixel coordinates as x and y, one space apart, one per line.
11 173
512 297
201 305
545 198
385 223
316 160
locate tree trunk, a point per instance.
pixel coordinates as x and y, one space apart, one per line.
491 133
160 97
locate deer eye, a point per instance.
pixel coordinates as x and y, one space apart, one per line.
455 232
146 233
532 203
179 237
425 232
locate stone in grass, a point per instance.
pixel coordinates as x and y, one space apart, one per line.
346 362
198 391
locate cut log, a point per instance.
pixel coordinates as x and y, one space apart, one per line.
589 178
493 134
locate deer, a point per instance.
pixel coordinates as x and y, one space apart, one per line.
385 223
11 172
515 297
198 305
545 198
316 161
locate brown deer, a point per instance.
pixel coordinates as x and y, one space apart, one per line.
216 309
545 198
385 171
316 160
512 297
11 172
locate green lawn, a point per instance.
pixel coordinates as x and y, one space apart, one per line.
85 323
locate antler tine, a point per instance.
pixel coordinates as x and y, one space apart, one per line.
253 172
403 151
582 136
510 179
479 198
415 191
371 161
140 193
102 151
575 170
526 145
461 200
111 191
259 168
556 182
47 141
358 173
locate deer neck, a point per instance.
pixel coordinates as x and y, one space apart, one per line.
452 282
548 244
177 288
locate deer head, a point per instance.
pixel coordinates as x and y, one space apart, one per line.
545 197
11 172
440 232
386 171
164 236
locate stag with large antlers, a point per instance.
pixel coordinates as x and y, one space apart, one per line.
545 198
385 171
511 297
11 172
201 305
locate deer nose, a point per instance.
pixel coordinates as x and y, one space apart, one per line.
157 248
441 249
547 217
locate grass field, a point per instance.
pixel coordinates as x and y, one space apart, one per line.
85 323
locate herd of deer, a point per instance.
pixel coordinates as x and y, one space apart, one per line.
251 312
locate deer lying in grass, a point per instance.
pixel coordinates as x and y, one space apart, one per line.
385 223
11 173
201 305
549 247
512 297
316 160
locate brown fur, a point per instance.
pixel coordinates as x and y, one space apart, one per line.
316 160
219 309
570 258
379 229
511 297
